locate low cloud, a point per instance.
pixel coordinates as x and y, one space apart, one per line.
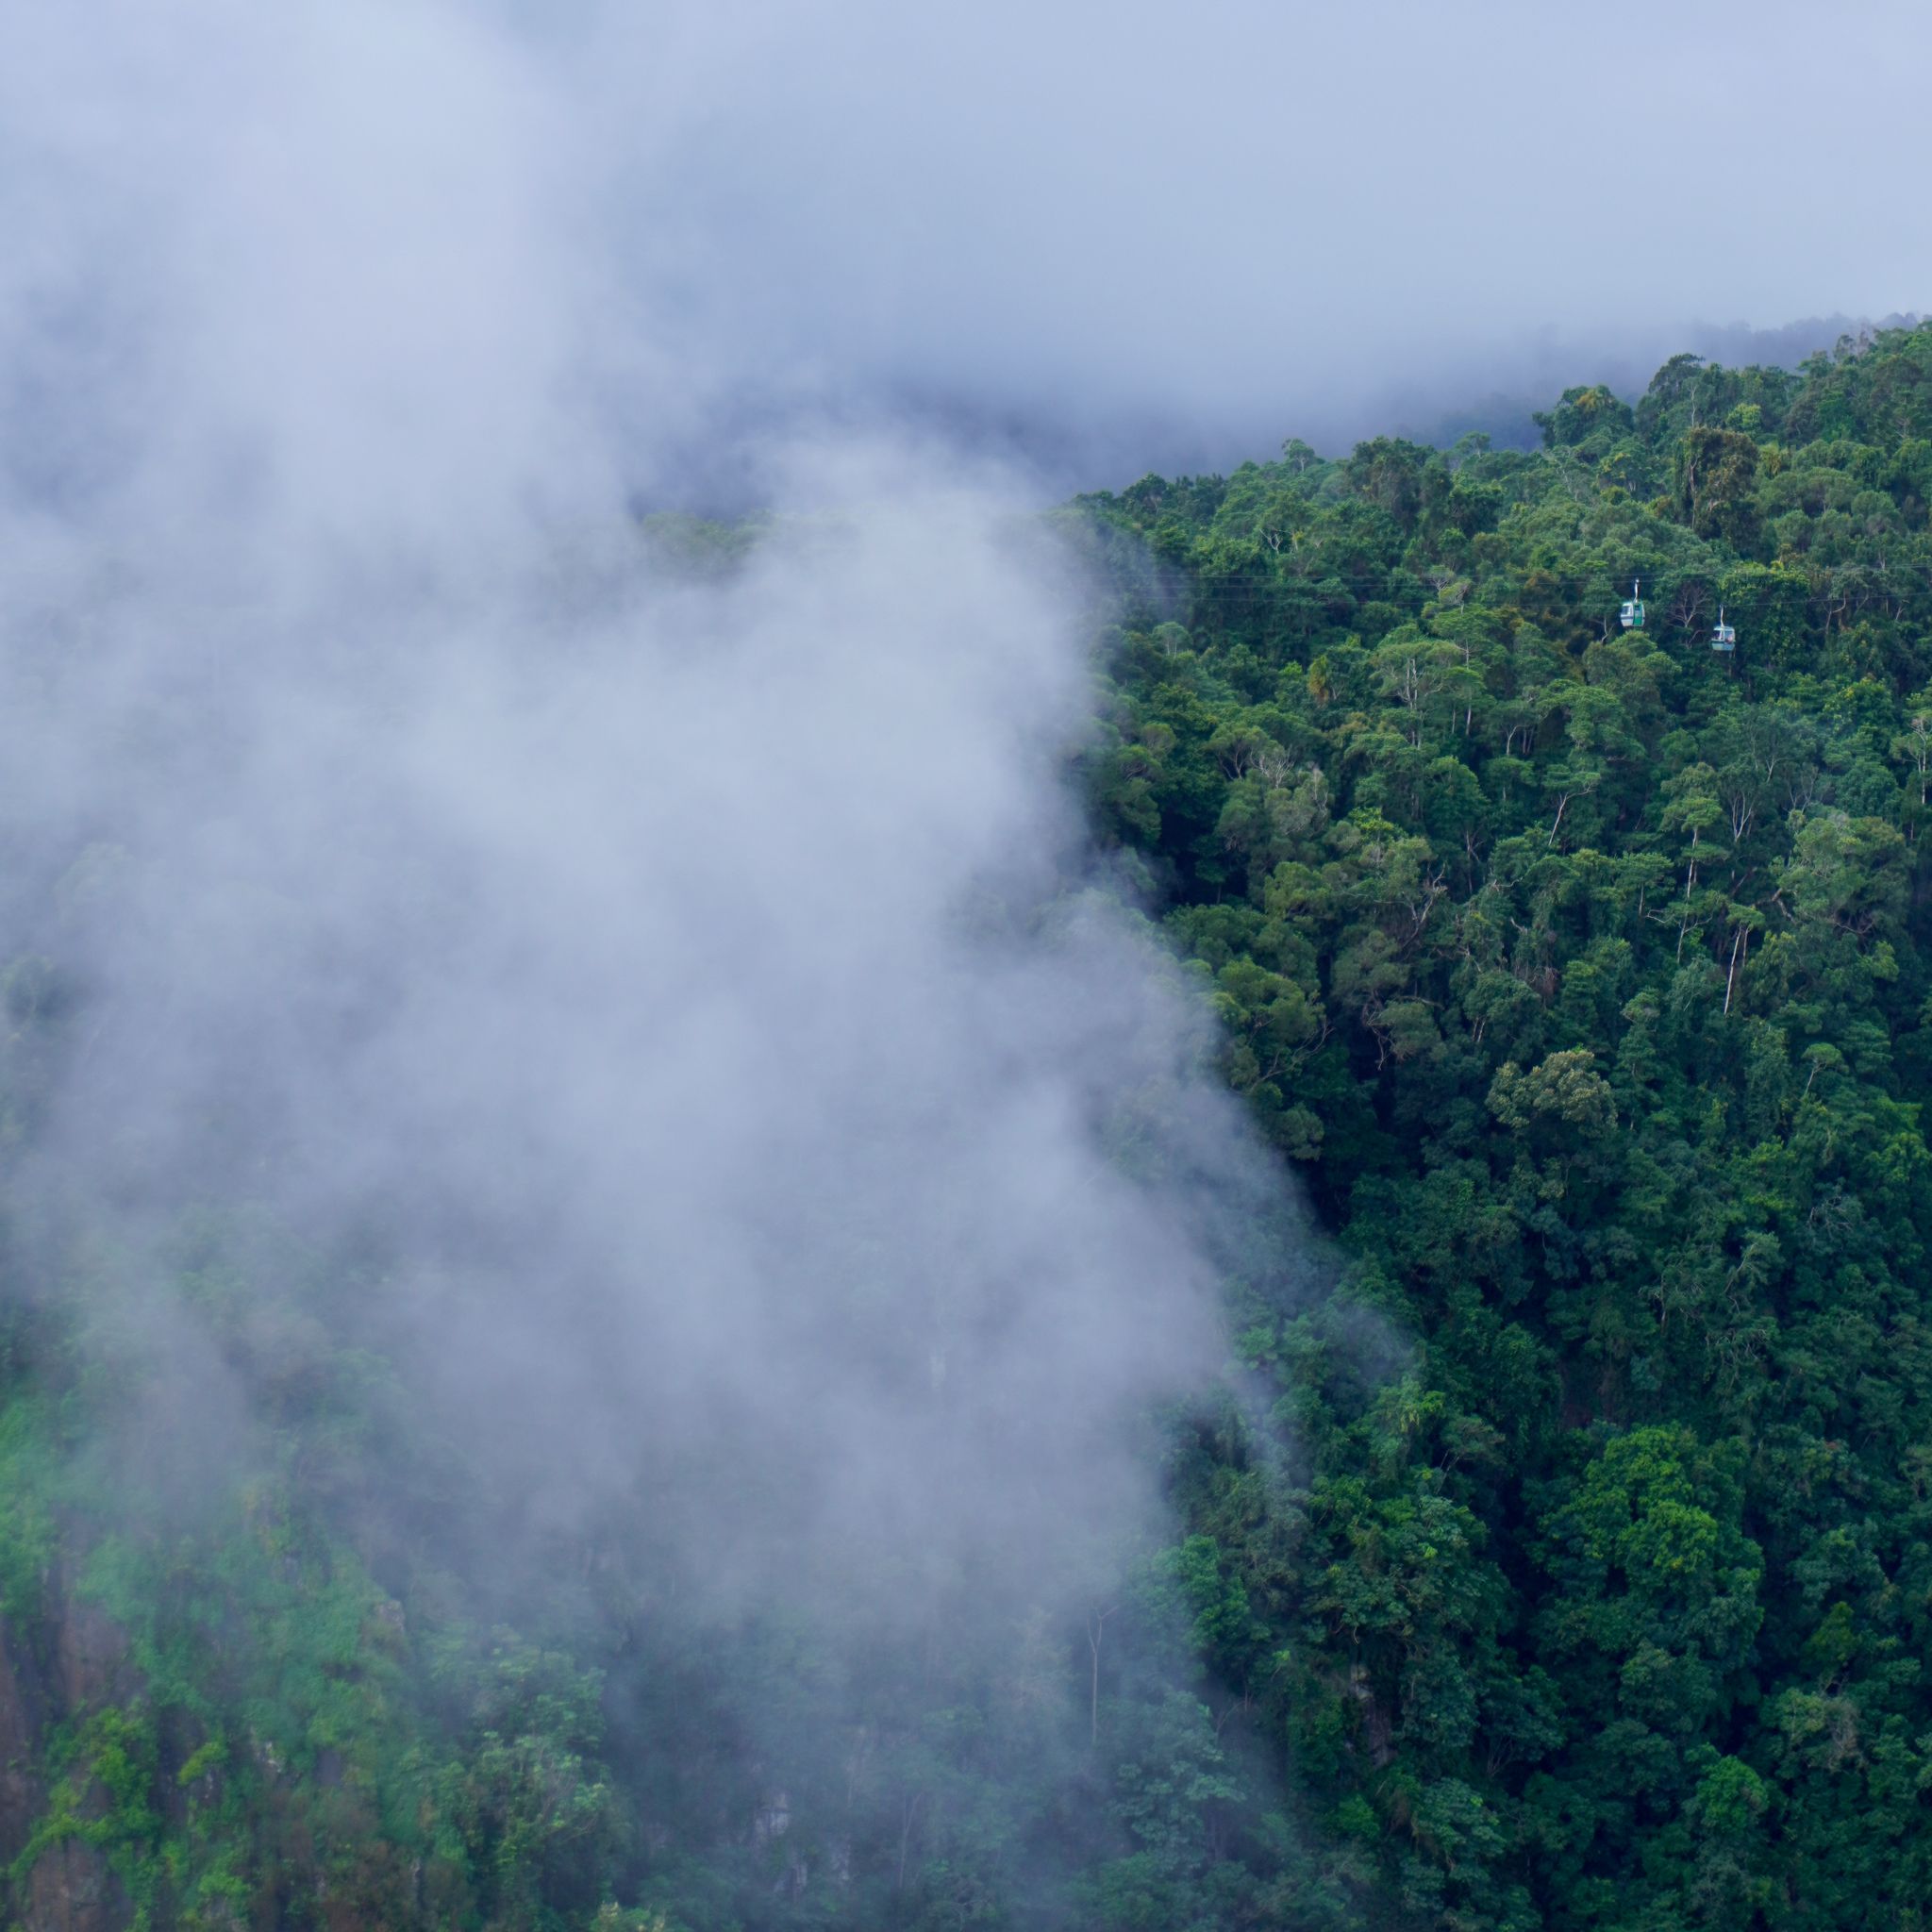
650 995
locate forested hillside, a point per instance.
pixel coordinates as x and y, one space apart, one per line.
1556 1550
1582 971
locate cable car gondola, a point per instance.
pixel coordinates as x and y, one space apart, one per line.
1631 615
1723 637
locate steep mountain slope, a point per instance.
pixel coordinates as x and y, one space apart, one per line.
1566 1562
1582 969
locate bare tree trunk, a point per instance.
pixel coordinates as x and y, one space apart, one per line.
1096 1626
908 1817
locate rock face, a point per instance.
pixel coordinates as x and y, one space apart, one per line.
71 1890
67 1664
22 1724
90 1651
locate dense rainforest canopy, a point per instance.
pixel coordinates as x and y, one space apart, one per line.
1566 1562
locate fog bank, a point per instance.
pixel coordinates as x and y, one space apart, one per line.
669 1016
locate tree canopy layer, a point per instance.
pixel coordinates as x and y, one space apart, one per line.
1567 1564
1581 968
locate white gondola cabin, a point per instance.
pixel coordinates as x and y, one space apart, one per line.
1631 615
1723 637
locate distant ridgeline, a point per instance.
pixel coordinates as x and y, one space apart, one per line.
1511 416
1570 1567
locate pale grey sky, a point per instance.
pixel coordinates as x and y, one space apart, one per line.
1127 230
1238 212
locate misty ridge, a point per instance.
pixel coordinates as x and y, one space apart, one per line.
1062 446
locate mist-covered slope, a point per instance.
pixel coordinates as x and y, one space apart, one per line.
601 1208
635 1292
